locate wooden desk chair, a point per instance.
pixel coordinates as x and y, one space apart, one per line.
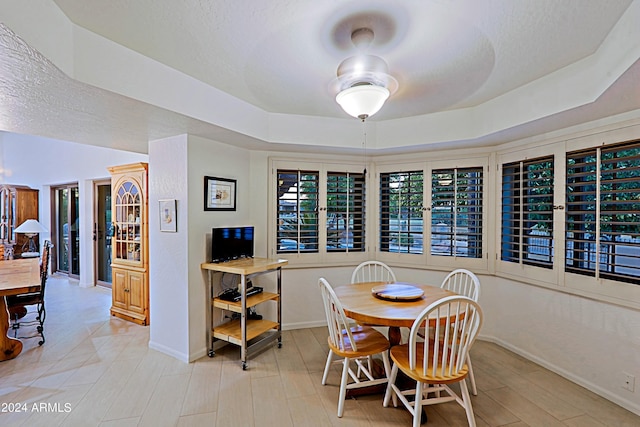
352 343
436 363
17 304
373 271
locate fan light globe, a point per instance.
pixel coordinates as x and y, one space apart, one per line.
362 101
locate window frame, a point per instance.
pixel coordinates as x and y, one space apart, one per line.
601 289
426 259
522 201
525 271
599 193
322 256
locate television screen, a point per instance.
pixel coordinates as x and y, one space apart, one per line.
229 243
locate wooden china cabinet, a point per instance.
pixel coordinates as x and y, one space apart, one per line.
18 203
130 242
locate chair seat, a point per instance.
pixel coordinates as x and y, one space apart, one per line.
400 356
23 299
368 340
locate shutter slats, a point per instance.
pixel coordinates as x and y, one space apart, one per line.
618 209
527 212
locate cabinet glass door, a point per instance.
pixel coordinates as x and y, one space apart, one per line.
127 223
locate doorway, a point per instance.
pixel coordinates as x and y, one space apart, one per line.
102 233
67 231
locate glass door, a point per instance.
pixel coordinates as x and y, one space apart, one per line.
67 244
102 233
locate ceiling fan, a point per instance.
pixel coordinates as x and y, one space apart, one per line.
363 83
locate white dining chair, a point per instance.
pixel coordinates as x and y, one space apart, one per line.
464 282
437 362
353 344
373 271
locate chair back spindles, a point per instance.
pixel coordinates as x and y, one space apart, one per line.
373 271
438 360
336 319
458 321
462 282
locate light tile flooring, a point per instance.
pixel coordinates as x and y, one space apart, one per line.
95 370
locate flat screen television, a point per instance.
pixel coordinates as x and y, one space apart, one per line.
229 243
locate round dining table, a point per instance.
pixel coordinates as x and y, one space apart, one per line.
360 304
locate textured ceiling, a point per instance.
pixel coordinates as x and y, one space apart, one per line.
445 54
281 56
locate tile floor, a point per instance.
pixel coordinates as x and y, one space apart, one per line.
95 370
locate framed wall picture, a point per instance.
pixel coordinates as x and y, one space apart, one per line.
168 219
219 194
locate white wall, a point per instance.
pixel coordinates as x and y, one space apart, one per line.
210 158
168 257
41 163
177 284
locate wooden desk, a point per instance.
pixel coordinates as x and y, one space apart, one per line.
359 304
16 277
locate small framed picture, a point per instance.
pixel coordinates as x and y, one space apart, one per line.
219 194
168 219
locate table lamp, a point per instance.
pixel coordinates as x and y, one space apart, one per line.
30 228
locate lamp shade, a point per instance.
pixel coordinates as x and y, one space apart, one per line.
30 226
362 101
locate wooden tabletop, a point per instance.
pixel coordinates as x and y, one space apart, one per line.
19 276
361 305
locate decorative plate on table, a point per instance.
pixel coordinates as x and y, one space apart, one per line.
397 292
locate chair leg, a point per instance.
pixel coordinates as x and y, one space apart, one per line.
343 386
417 405
466 399
327 366
472 378
386 364
15 326
389 393
42 314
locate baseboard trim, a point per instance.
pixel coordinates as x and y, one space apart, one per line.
171 352
303 325
618 400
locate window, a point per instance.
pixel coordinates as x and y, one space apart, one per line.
305 224
527 212
401 208
456 212
345 212
603 212
297 217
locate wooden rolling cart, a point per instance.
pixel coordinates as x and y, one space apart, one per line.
251 335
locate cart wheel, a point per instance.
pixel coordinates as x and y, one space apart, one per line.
244 366
212 353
